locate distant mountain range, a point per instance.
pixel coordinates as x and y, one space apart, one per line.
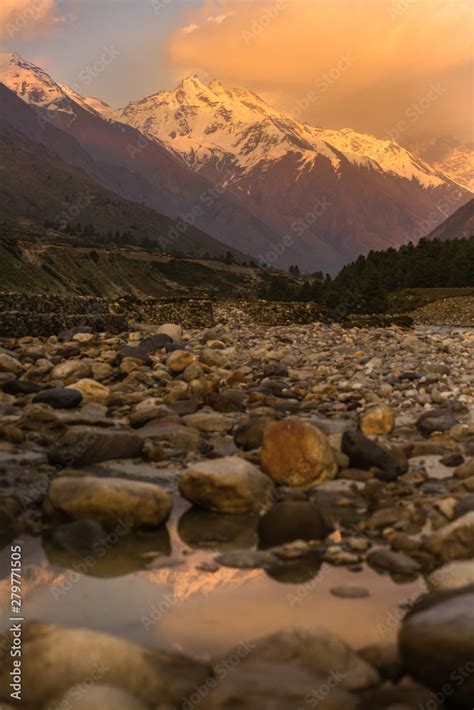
232 166
448 155
458 225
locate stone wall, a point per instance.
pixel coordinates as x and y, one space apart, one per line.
22 315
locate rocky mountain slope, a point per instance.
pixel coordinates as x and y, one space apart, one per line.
448 155
127 162
37 184
460 224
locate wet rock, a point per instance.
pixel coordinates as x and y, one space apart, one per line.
247 559
70 371
296 453
227 485
453 575
77 655
377 421
436 642
15 386
318 651
435 420
110 500
204 530
248 434
260 685
364 453
82 445
291 520
385 657
454 541
179 360
9 364
156 342
92 391
397 563
59 398
105 697
350 592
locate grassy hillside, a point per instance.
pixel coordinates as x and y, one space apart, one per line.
36 260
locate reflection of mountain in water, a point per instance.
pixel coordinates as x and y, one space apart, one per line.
187 580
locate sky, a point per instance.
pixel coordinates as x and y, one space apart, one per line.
395 68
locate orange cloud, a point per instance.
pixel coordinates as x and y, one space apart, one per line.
365 61
29 18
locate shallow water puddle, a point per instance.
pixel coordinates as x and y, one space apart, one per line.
150 589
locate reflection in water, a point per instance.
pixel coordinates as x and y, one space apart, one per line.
199 612
201 529
86 547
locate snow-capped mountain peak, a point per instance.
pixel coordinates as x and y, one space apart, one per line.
211 122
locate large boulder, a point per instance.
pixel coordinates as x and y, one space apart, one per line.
226 485
453 575
70 371
297 453
365 454
85 697
437 644
317 650
110 500
55 658
261 685
82 445
59 397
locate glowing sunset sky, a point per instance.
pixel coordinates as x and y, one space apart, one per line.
391 67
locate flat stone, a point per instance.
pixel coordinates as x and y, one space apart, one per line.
317 650
296 453
172 330
350 592
228 485
59 398
82 445
397 563
110 500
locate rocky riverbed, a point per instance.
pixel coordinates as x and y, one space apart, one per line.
337 464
